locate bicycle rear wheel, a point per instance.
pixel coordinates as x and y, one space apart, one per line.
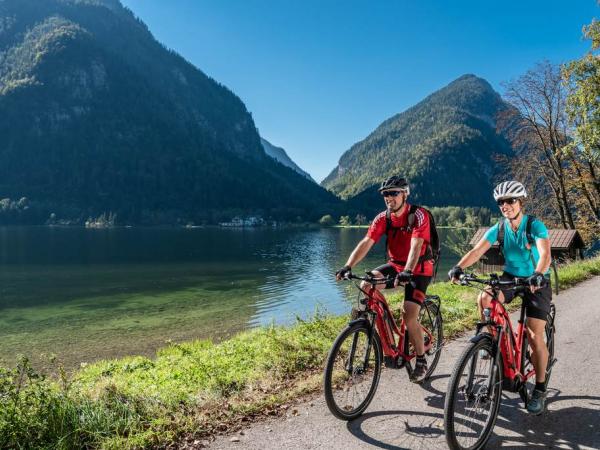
527 364
430 318
473 397
550 332
352 371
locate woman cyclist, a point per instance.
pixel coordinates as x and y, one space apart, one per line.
523 260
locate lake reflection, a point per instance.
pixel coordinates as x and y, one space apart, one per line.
86 294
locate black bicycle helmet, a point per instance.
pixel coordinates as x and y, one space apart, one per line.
394 182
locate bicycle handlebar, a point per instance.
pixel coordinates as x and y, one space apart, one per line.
468 278
368 278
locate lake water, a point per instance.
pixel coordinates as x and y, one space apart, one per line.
87 294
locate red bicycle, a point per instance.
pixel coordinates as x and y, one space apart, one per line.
354 362
496 358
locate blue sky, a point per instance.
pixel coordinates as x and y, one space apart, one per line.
320 75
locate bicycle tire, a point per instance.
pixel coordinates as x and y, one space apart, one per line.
454 394
527 364
550 332
430 317
336 377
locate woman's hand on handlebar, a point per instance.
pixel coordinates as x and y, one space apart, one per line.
455 273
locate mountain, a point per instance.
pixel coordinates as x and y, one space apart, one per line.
446 145
281 156
97 116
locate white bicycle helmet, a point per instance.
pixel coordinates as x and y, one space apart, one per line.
510 189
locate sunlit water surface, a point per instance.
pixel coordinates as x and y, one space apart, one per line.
85 294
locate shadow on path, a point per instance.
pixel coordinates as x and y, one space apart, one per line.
565 425
422 427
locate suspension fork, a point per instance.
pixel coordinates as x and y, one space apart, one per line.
496 354
370 337
349 367
370 326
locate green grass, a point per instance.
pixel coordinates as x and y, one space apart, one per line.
194 388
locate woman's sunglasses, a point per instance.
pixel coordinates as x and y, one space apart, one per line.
391 193
510 201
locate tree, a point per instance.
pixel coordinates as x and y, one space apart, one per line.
360 219
326 221
538 128
582 79
345 221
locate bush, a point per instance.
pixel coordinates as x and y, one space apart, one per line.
326 221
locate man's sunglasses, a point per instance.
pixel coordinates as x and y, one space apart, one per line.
391 193
510 201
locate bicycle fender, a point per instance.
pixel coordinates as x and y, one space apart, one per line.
481 336
360 320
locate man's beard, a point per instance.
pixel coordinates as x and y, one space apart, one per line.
398 208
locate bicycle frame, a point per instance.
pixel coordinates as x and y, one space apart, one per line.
509 343
378 305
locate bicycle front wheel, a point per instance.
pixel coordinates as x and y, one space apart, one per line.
473 397
352 371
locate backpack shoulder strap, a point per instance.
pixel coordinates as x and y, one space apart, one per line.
388 227
411 215
530 220
501 226
388 221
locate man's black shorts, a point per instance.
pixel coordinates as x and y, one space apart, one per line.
414 290
537 304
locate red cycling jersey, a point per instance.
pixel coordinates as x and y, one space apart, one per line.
399 240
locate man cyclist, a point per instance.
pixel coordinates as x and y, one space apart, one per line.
524 261
407 265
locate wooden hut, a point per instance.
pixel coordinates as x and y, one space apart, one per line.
565 245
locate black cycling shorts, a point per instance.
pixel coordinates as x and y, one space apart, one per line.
537 304
414 290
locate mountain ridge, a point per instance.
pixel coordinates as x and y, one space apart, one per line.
99 117
280 155
452 130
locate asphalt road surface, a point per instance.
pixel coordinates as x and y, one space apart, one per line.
404 415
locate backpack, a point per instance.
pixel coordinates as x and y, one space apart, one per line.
433 246
530 241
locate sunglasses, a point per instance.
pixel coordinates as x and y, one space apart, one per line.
510 201
391 193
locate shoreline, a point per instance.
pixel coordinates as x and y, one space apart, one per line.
199 388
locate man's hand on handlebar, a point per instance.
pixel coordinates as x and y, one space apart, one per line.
344 272
403 277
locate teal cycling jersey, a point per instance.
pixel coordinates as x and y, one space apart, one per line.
517 255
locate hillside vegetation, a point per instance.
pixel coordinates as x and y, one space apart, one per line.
97 116
445 145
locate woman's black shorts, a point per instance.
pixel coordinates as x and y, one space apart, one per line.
537 304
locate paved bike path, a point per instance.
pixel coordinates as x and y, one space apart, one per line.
404 415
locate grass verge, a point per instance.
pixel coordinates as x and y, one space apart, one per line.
192 389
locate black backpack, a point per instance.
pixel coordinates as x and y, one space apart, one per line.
433 246
530 241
